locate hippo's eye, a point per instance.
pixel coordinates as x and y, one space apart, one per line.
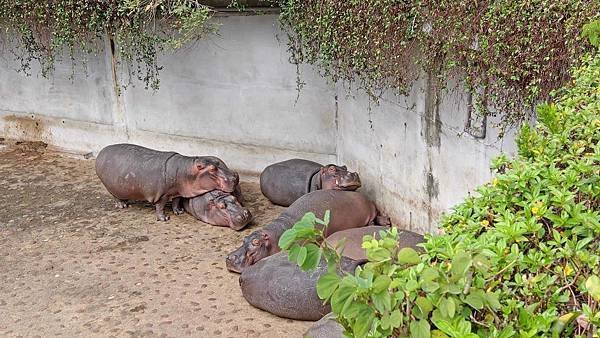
255 242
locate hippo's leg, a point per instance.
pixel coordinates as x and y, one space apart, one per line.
121 204
160 210
176 205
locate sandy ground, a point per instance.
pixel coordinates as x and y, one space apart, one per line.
73 265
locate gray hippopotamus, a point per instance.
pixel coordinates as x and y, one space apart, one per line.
349 209
131 172
352 247
218 208
284 182
325 327
280 287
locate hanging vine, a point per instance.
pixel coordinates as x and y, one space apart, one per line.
512 54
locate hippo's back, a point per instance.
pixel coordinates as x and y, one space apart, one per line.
348 209
133 172
284 182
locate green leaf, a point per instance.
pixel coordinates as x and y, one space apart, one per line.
378 255
447 307
420 329
429 274
411 285
327 284
592 284
492 301
424 305
287 238
301 256
293 253
313 257
408 256
475 300
381 283
429 286
340 296
382 301
460 263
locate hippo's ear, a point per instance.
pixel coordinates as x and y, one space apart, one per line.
344 167
266 236
221 205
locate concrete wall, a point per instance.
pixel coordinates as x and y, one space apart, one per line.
234 96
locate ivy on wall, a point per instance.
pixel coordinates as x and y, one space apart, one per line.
45 32
512 54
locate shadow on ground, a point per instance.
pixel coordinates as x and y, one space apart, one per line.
72 265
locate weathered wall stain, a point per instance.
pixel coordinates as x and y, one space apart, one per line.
25 127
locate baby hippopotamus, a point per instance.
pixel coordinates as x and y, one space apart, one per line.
218 208
280 287
284 182
131 172
349 209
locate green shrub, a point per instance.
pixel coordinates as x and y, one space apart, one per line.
520 259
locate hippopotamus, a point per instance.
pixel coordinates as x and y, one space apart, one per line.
349 209
352 247
325 327
280 287
284 182
132 172
218 208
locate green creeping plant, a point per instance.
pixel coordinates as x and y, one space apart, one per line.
45 32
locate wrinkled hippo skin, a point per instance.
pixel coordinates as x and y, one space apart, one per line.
280 287
353 240
284 182
349 209
325 327
131 172
218 208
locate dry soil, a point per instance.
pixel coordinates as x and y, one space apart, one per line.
73 265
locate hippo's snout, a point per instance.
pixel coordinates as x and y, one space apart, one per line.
350 181
228 184
233 263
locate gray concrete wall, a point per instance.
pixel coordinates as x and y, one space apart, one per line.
234 96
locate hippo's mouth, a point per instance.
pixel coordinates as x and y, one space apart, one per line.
348 185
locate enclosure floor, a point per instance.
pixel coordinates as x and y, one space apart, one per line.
73 265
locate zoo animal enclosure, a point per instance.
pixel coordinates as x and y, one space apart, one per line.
234 96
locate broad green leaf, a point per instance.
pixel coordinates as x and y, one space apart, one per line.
363 323
460 263
327 284
382 301
424 305
429 286
293 253
592 284
491 299
381 283
313 257
340 296
411 285
287 238
429 274
420 329
378 254
475 300
301 256
408 256
447 307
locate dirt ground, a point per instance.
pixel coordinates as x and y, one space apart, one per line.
73 265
